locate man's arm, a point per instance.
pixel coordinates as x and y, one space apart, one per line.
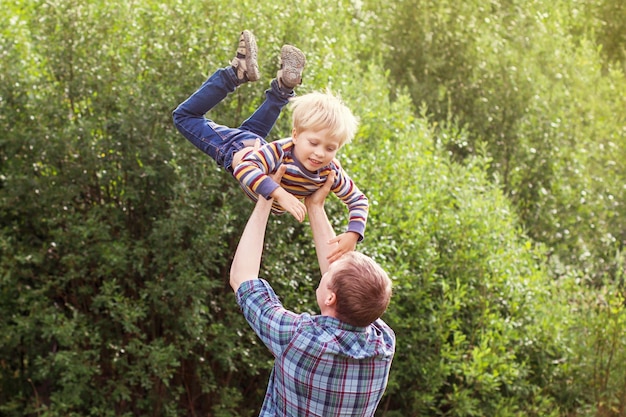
247 261
323 233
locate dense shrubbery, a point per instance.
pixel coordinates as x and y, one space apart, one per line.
529 79
494 167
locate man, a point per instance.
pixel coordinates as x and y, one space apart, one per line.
333 364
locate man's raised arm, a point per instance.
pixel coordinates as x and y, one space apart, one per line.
323 233
247 261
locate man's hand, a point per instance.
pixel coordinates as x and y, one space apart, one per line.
346 242
319 197
278 175
343 243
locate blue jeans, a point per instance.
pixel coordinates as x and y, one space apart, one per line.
222 142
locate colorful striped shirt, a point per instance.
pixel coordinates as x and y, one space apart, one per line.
254 170
323 367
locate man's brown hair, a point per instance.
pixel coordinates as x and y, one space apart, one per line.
362 288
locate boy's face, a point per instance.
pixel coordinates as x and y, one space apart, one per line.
314 149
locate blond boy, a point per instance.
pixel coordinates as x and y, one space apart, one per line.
322 124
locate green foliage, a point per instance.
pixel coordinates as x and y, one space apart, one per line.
467 285
530 80
493 207
594 323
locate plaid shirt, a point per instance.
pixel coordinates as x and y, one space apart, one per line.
322 367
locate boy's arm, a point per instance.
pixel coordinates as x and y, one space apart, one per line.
290 203
357 203
254 172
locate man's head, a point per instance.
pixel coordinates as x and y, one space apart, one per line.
322 124
356 289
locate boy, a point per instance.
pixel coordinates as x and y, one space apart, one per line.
322 124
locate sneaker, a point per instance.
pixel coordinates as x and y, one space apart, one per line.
292 62
244 63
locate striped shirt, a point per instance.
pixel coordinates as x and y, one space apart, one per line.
323 367
254 170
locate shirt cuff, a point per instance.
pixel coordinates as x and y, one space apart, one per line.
267 187
358 228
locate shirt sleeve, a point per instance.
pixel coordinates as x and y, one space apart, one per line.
253 171
357 202
261 307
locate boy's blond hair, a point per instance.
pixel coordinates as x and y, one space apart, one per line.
318 111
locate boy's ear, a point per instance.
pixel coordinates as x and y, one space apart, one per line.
294 133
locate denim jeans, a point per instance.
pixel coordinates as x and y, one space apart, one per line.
222 142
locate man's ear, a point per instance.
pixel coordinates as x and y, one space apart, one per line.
331 299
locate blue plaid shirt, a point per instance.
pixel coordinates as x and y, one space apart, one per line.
322 367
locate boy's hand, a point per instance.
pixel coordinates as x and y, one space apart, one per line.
346 242
290 203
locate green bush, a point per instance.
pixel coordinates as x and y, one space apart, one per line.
542 84
117 234
467 282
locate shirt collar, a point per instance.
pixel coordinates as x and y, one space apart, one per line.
329 321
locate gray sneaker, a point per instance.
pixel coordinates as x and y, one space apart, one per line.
244 62
292 63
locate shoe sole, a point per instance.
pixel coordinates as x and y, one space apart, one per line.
292 61
252 68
